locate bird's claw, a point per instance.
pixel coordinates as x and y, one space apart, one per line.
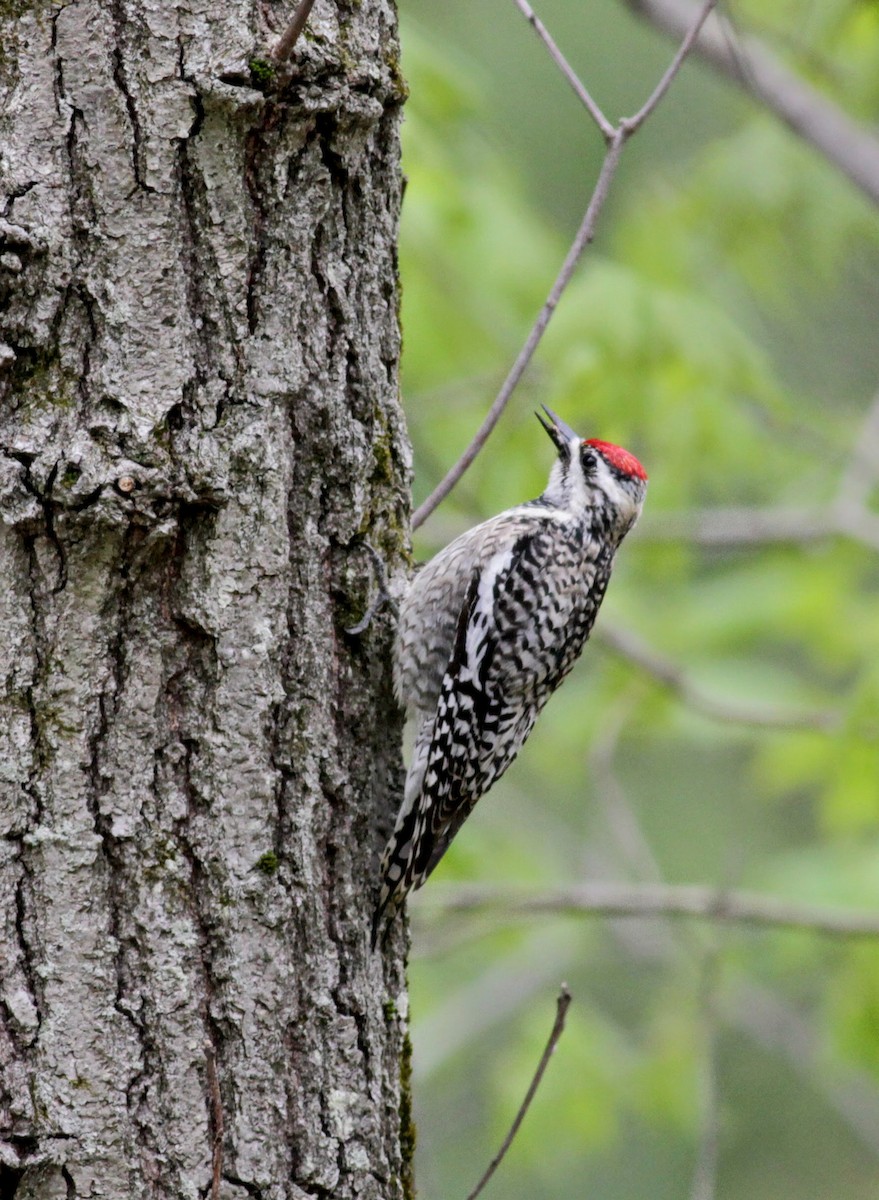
382 598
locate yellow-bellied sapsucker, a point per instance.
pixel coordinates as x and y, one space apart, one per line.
488 630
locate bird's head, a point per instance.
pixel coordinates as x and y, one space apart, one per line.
594 475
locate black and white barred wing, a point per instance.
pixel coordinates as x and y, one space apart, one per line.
491 693
446 746
519 629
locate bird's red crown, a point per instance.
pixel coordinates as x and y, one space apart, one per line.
619 458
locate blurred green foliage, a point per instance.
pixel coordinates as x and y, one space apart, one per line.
724 327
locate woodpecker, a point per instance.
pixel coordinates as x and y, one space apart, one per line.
488 630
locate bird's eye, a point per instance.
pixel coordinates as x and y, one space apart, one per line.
587 459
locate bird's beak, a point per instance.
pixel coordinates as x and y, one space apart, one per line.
561 434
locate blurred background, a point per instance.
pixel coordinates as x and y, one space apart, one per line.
722 726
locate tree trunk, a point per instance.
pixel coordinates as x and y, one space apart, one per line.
199 424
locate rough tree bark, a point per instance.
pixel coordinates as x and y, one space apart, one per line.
199 424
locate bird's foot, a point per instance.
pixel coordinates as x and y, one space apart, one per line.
382 598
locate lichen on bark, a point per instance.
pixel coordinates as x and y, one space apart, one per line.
199 423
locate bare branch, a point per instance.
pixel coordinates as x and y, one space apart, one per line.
489 998
562 1005
692 27
289 38
665 900
841 140
581 240
616 141
567 70
631 647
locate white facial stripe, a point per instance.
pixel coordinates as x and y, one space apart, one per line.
607 481
483 611
610 485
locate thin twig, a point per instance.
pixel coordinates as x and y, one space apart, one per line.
489 998
698 17
748 62
562 1005
616 140
567 70
631 853
668 673
216 1118
664 900
289 38
581 240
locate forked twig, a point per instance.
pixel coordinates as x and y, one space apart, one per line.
563 1003
616 137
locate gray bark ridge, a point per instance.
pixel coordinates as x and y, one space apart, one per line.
199 424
